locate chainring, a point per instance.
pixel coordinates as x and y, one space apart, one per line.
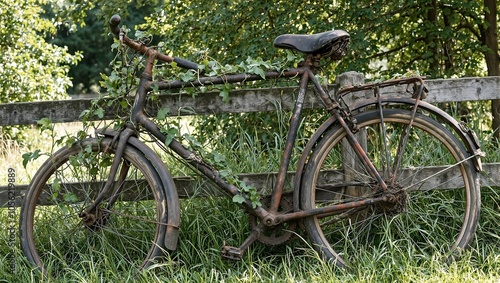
278 234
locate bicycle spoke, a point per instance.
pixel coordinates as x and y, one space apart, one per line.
431 202
122 228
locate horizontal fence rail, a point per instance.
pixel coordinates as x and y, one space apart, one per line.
246 100
263 182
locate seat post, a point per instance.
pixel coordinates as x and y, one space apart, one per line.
311 61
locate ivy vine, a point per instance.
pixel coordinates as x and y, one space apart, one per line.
122 83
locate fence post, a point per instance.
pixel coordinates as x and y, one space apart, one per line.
349 160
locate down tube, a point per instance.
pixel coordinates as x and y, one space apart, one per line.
202 166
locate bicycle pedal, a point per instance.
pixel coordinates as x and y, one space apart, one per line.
232 253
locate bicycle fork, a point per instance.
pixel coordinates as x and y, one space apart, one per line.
93 215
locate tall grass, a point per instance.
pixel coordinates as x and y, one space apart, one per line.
208 223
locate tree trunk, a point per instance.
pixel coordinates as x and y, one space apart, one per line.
492 57
432 18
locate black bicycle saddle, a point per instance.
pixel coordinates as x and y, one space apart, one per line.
324 44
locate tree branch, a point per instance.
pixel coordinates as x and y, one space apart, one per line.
393 49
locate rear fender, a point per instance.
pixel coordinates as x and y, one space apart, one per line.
467 136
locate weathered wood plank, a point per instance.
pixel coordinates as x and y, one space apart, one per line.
264 182
463 89
250 100
458 90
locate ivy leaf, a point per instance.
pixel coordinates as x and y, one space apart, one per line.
219 158
84 114
140 34
187 76
162 113
259 71
225 173
70 197
290 57
99 112
115 45
45 124
225 95
256 203
238 199
171 134
56 185
27 157
224 92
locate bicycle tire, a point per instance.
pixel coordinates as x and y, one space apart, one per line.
433 212
125 236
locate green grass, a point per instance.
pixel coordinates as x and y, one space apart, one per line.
208 223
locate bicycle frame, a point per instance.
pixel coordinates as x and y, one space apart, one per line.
305 72
306 75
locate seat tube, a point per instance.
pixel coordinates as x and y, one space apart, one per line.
290 142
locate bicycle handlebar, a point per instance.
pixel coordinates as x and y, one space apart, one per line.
114 22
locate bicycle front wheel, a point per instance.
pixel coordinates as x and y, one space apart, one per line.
121 233
431 206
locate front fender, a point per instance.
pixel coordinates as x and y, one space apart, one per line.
467 136
169 189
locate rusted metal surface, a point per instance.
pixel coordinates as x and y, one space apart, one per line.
290 142
329 210
270 216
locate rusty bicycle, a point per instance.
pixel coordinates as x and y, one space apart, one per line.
390 163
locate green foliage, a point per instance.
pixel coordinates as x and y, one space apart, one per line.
219 161
435 38
208 222
429 37
74 13
30 68
231 31
88 34
44 125
123 80
90 41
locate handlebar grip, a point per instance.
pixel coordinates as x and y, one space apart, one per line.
185 63
113 24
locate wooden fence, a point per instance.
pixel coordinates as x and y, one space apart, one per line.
248 100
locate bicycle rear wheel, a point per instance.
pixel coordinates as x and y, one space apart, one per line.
122 233
433 198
